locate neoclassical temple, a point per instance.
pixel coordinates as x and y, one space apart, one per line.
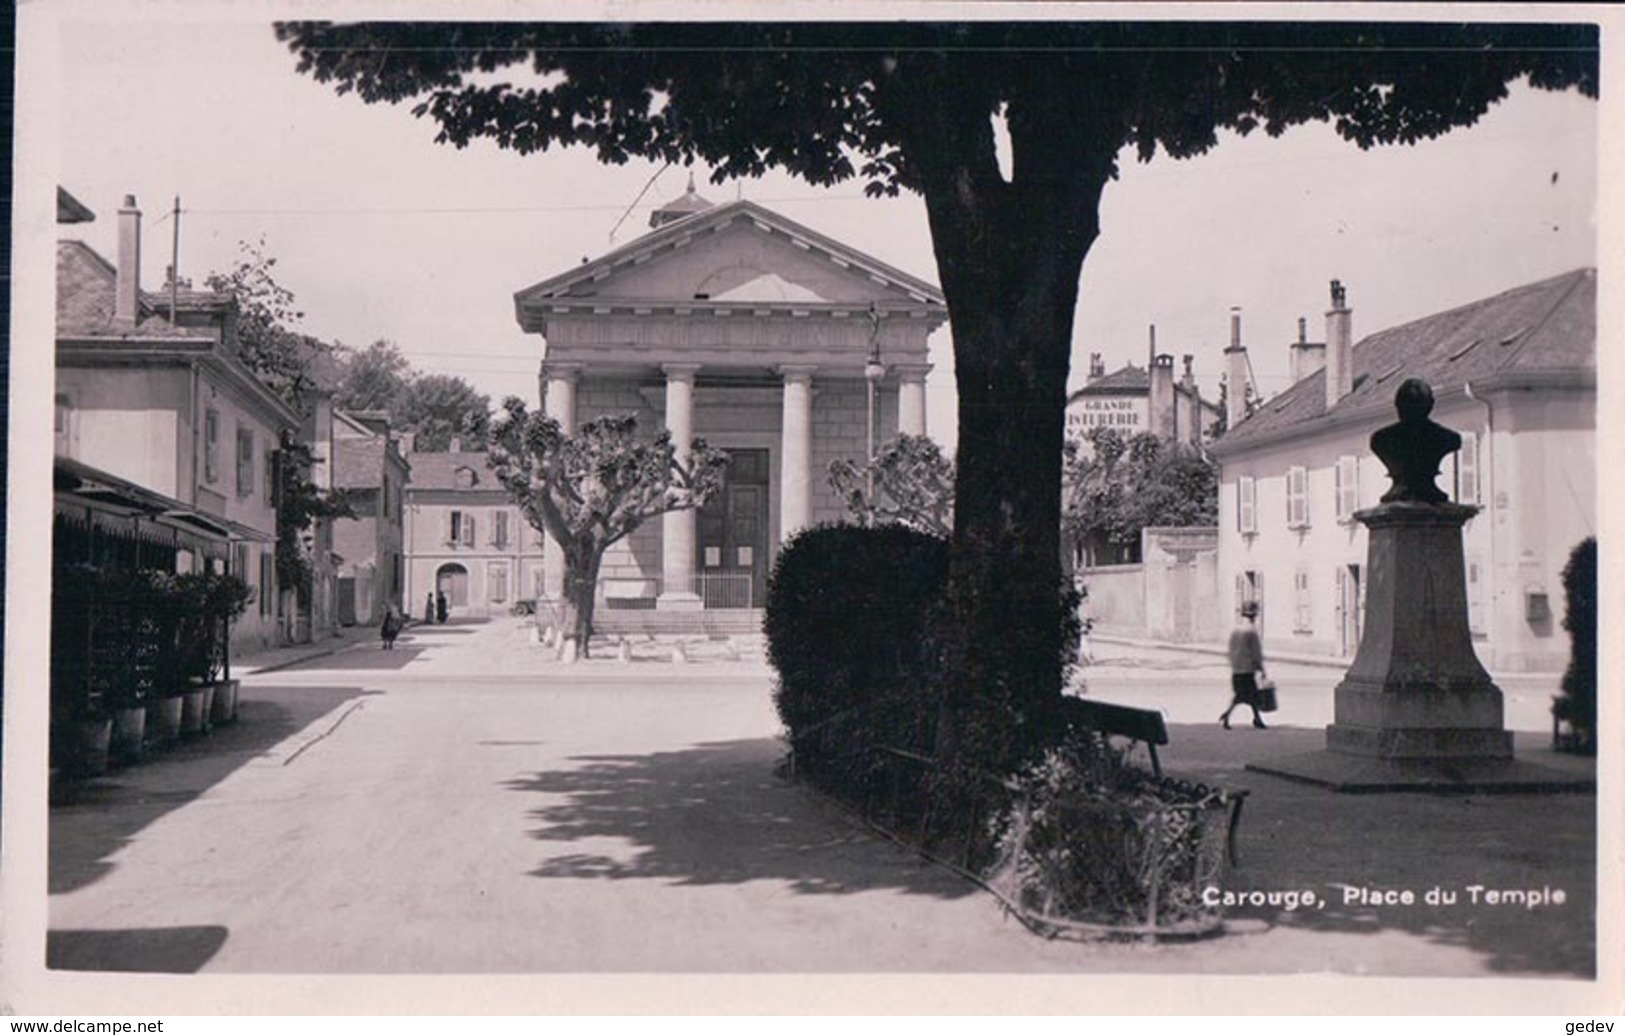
734 324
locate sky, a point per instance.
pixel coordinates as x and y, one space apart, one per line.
381 233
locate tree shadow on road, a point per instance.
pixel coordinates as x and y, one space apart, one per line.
715 814
94 819
149 950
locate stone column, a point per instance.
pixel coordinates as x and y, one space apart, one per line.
558 402
911 399
677 542
795 466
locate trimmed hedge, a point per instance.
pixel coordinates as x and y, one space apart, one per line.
1577 704
853 630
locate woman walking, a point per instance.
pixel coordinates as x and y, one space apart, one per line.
1246 665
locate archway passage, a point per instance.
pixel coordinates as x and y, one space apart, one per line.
452 580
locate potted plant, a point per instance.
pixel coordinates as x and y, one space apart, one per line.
81 726
207 604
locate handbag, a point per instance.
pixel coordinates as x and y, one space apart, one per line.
1266 695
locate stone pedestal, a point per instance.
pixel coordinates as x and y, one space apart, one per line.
1416 689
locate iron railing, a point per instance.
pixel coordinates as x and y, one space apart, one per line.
717 591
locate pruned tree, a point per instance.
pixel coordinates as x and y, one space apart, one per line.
913 106
590 490
909 482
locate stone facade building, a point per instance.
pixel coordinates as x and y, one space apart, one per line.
465 538
734 324
1515 375
162 436
370 470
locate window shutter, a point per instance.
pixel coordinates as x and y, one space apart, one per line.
451 526
468 529
1300 593
1296 501
1348 487
1246 505
1467 469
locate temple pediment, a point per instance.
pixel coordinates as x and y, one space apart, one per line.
737 254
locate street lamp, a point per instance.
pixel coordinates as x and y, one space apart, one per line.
873 371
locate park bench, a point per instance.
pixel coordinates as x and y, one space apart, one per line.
1143 726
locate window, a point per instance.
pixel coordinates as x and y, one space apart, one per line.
1250 586
1246 505
1302 617
1467 469
1348 487
63 426
460 528
1475 595
239 565
245 462
1297 497
211 445
499 529
498 578
267 585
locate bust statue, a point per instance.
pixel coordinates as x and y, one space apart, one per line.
1412 448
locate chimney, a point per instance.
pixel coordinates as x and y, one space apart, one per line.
1097 367
408 442
456 444
1339 347
1188 379
1162 418
1235 366
127 290
1307 356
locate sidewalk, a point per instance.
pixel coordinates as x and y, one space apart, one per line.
272 659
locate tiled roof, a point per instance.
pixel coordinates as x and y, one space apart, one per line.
85 286
358 463
439 470
1128 379
1546 327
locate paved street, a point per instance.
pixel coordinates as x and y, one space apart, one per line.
462 805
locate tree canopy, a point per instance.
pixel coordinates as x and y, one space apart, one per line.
912 106
1119 487
371 379
286 360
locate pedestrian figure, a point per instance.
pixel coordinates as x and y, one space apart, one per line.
1246 666
440 608
428 609
391 628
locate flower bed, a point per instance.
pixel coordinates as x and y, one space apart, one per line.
1095 847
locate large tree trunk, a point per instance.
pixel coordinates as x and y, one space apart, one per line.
580 594
1009 256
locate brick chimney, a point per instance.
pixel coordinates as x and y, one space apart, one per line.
127 289
1162 417
1235 366
1339 347
1307 356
